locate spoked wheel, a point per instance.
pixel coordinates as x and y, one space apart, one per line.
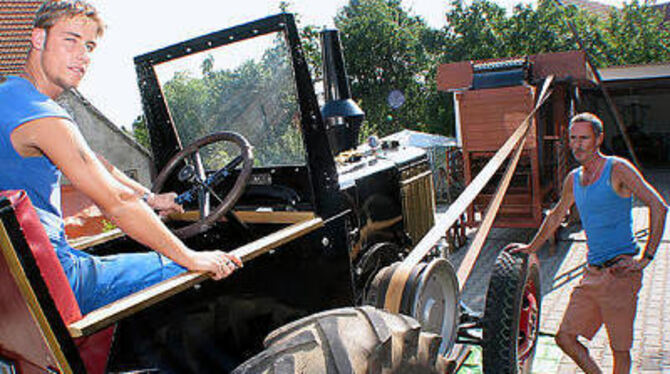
512 314
202 185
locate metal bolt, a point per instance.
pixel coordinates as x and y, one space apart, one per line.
325 241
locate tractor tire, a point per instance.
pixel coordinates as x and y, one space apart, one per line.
512 315
348 340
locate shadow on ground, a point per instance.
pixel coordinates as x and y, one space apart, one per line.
474 292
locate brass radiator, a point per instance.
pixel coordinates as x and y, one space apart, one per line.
418 200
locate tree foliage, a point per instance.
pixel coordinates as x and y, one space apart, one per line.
392 58
636 35
388 62
140 131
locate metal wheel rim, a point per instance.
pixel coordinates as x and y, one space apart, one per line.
528 323
437 295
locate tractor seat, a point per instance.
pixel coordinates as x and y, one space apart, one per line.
40 297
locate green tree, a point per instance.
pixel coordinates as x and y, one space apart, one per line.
636 35
141 132
475 32
388 63
632 35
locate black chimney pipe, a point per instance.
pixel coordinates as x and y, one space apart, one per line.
342 115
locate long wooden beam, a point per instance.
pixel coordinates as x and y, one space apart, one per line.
272 217
403 271
478 242
109 314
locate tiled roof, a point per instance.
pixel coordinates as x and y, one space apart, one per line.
16 20
639 72
600 10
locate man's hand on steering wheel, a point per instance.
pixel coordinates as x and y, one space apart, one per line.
164 203
203 185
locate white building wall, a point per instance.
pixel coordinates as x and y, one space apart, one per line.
107 139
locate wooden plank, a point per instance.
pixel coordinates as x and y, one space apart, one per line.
478 242
109 314
569 65
89 241
400 276
281 217
270 217
454 76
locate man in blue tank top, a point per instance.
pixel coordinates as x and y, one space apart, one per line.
38 141
602 189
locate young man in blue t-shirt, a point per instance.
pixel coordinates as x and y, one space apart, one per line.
38 141
602 189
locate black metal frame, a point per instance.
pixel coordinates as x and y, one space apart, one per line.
164 137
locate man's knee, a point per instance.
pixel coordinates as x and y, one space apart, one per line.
565 340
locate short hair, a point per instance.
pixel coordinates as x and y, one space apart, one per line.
592 119
54 10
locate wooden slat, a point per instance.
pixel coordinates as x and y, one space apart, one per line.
274 217
402 272
89 241
109 314
245 216
475 249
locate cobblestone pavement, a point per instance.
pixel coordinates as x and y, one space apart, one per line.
561 269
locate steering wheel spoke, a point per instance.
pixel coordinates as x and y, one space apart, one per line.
204 187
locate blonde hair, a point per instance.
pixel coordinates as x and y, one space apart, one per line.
54 10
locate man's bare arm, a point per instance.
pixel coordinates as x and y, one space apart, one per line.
165 202
64 145
627 176
122 177
551 221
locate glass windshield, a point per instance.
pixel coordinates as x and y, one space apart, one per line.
247 87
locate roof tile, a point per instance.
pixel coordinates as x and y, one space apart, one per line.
16 21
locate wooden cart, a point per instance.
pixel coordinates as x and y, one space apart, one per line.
491 99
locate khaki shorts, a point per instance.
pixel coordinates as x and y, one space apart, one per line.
602 298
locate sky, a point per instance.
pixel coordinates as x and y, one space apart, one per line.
135 27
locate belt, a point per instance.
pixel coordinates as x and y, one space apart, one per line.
610 262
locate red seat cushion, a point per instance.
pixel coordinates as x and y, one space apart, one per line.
93 349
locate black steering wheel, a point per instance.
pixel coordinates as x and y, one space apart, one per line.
202 186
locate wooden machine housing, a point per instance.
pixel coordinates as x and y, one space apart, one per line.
487 114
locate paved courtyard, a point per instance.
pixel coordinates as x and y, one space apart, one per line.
561 270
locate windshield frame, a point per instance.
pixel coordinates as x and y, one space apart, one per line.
163 134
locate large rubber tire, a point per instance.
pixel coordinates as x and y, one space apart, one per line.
348 340
512 315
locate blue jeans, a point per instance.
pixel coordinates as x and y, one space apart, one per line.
99 280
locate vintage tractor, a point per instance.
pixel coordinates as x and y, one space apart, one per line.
263 171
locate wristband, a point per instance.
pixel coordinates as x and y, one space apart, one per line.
648 256
146 196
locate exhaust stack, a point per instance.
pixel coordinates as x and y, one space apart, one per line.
343 117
